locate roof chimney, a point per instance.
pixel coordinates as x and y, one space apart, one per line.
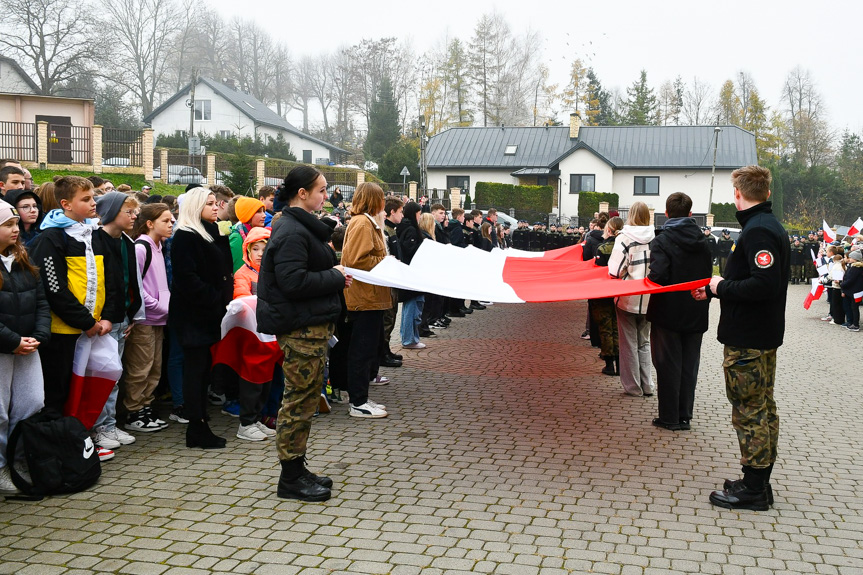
574 125
231 83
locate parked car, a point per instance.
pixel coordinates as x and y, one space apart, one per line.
179 175
503 218
117 162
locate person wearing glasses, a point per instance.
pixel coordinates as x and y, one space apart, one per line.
118 213
29 208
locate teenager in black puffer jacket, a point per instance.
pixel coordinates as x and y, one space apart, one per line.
202 287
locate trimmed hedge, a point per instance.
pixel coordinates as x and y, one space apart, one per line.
505 196
588 204
724 212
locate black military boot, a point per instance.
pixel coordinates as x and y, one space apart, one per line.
749 493
322 481
609 368
295 484
198 434
729 483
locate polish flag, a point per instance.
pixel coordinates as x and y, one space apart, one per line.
819 263
856 227
96 367
504 276
251 354
814 294
829 234
858 297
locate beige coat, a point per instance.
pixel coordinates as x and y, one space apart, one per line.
365 248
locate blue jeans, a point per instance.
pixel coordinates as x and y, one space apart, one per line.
412 311
108 417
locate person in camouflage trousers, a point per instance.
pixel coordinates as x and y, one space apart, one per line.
602 311
798 260
752 296
305 354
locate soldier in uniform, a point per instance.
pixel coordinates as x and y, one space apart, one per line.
711 241
552 238
723 247
533 238
752 296
542 237
811 247
519 236
797 262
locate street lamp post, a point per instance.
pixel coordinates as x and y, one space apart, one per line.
716 130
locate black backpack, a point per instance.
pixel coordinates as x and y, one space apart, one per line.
60 454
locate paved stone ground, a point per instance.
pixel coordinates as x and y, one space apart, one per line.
506 451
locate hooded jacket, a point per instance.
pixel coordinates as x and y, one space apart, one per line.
297 285
594 238
12 197
24 309
679 254
71 258
852 283
630 260
246 278
154 286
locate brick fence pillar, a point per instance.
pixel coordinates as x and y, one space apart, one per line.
42 144
211 169
260 173
455 197
163 163
147 153
361 177
652 218
96 147
412 191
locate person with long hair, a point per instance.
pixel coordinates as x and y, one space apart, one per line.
25 323
630 260
202 287
47 197
602 313
299 284
486 242
142 355
428 226
365 247
410 238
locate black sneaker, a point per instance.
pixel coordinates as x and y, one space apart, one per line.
178 414
148 411
138 421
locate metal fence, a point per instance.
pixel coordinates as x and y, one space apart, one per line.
437 196
346 182
122 148
69 144
18 141
398 189
183 169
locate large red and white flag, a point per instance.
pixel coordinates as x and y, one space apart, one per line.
96 367
251 354
829 234
856 227
814 294
507 276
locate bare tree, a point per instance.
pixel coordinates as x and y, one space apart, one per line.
259 53
48 40
302 87
343 77
281 72
145 29
321 83
698 104
808 135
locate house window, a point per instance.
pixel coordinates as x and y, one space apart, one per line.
542 180
582 183
203 110
307 156
510 150
646 186
462 182
225 134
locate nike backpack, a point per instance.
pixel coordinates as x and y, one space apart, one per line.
60 455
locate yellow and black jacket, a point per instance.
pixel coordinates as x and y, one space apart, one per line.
78 297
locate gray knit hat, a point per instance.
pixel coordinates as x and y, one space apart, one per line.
109 205
856 255
7 212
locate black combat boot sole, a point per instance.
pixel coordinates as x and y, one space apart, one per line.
748 505
728 483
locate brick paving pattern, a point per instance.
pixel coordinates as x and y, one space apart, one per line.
506 451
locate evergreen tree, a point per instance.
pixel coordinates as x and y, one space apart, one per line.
383 123
403 153
599 110
641 103
456 70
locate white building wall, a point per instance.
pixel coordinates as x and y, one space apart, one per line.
582 162
11 81
695 184
226 117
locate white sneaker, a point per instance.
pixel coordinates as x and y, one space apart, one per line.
251 433
376 404
380 380
486 303
418 345
104 454
267 431
119 436
7 487
103 438
367 410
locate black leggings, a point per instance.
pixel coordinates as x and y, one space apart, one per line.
197 363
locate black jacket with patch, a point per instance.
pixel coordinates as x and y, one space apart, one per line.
755 287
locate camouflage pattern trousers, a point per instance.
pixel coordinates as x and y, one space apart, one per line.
603 314
749 378
305 355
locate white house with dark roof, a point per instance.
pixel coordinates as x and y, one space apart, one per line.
222 109
646 163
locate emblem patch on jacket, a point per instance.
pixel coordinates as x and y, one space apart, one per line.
764 259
